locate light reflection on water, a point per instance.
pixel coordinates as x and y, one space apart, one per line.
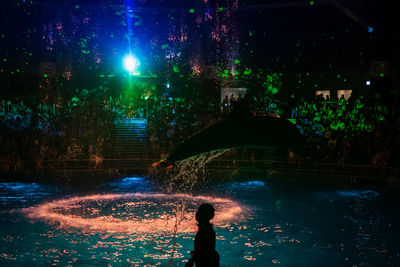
134 213
15 186
289 226
359 193
131 183
248 185
21 192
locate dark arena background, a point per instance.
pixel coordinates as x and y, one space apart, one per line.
119 118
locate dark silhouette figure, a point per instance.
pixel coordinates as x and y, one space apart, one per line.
204 253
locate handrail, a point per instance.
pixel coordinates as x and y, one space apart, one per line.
225 164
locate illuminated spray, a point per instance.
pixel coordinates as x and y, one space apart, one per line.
190 172
145 214
140 213
185 175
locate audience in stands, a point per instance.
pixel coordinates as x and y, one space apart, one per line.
340 132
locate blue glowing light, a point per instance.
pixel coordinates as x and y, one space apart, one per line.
168 85
370 29
131 64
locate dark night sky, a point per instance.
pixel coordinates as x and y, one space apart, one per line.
293 34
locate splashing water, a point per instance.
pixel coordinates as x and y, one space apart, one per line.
190 172
286 223
141 213
144 213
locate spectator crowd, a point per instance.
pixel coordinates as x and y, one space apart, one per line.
357 131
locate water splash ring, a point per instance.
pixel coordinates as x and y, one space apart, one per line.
145 213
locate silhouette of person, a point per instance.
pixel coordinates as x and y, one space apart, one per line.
232 99
225 105
240 98
204 253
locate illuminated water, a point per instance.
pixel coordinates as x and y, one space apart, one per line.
259 222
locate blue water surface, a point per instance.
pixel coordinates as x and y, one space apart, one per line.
287 223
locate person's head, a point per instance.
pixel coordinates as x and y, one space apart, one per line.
205 213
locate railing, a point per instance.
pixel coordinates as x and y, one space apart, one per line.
216 166
307 168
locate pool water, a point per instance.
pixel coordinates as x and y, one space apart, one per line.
259 222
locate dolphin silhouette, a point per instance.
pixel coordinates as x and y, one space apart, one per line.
241 128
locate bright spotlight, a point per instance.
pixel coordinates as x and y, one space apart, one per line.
131 64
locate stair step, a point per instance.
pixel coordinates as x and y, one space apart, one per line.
131 140
131 143
119 126
131 150
131 133
128 131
